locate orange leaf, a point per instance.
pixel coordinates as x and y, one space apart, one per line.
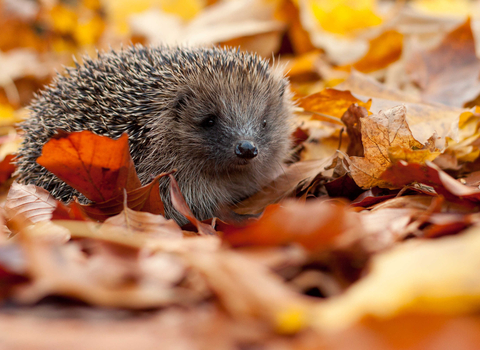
6 168
72 211
314 225
384 50
97 166
331 102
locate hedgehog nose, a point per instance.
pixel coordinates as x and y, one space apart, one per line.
246 150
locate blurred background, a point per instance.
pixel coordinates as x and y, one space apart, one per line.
318 41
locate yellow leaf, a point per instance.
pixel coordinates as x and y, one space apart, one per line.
420 156
291 320
185 9
121 10
345 17
7 115
88 32
435 276
63 19
6 111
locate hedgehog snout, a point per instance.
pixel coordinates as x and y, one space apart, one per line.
246 149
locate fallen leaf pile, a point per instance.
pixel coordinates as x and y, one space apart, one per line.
369 239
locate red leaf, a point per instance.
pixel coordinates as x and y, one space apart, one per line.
72 211
6 168
97 166
403 173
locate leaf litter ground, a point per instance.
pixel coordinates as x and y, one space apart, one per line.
368 240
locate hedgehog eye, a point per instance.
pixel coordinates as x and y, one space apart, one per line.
264 123
208 122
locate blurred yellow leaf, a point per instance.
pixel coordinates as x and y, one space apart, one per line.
438 276
447 7
185 9
7 114
63 19
345 17
291 320
121 10
466 149
88 32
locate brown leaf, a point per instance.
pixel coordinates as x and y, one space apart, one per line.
423 119
385 134
361 84
146 198
299 38
97 166
343 187
249 290
449 73
351 118
298 175
314 225
373 196
111 275
146 223
403 173
29 203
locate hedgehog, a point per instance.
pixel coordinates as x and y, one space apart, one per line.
219 116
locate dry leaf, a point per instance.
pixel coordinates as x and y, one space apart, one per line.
385 136
423 119
314 225
112 275
7 168
29 203
436 276
146 198
384 50
449 74
300 174
402 173
248 290
146 223
331 102
97 166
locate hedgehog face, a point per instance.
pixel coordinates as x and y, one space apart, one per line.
234 128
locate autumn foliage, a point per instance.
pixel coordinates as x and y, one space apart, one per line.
369 239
